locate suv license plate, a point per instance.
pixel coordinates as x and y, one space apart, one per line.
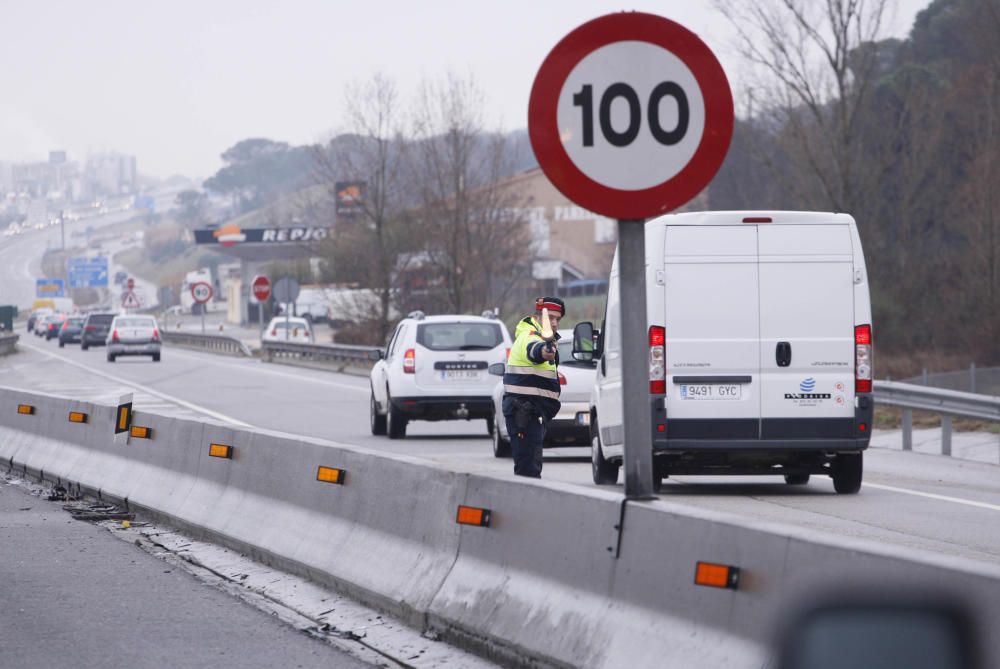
711 391
460 375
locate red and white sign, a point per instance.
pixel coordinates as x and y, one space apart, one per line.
630 115
130 284
130 300
201 292
261 288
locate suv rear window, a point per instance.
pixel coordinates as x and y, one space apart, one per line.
459 336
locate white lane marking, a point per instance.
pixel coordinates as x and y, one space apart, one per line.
943 498
146 389
266 370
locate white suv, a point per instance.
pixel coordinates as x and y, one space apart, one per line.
435 368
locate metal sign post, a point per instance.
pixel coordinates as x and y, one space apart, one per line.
630 116
636 410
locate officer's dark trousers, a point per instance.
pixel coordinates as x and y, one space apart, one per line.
526 449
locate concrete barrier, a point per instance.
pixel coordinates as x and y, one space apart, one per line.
559 577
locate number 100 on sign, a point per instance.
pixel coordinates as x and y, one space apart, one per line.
631 115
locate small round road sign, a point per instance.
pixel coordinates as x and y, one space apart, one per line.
201 292
630 115
130 284
261 287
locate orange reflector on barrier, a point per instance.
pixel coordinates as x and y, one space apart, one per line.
77 417
331 475
140 432
26 409
470 515
717 575
220 451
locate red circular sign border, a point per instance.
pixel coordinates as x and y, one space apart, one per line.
543 127
201 283
265 282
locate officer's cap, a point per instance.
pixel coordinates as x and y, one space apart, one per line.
552 304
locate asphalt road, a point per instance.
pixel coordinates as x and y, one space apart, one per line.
74 595
910 500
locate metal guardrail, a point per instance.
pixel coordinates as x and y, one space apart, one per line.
947 403
8 343
218 343
343 354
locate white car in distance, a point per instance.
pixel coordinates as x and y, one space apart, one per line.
288 330
435 368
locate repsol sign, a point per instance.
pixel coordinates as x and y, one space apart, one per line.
231 235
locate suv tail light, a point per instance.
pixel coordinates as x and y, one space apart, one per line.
156 334
410 361
863 359
657 360
114 335
562 379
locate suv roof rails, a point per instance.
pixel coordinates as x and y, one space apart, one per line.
493 313
418 315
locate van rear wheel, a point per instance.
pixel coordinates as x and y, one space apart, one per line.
605 472
846 473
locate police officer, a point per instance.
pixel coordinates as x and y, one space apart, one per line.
531 386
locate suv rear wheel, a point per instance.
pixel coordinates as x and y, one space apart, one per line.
395 421
605 472
501 446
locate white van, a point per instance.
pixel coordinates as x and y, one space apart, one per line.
763 321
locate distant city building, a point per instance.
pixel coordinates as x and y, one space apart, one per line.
108 174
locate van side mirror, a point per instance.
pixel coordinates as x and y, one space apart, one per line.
497 369
583 341
375 354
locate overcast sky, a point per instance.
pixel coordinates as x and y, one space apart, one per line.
176 83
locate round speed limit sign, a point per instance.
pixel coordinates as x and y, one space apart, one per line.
201 292
630 115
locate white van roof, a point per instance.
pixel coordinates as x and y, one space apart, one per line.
763 217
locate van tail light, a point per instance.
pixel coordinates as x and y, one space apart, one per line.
409 361
862 359
114 335
657 360
562 379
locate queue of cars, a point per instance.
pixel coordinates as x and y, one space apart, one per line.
120 334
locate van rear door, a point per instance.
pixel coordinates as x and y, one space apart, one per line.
712 332
806 331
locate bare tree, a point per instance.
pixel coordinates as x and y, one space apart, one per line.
372 151
819 62
475 235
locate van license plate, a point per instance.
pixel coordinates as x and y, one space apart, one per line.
711 391
460 375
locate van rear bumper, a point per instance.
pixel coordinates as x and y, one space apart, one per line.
761 445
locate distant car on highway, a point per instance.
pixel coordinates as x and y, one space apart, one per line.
134 335
71 330
435 368
36 316
95 330
571 426
53 323
290 330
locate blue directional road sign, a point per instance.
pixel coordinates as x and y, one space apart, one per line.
87 272
50 288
